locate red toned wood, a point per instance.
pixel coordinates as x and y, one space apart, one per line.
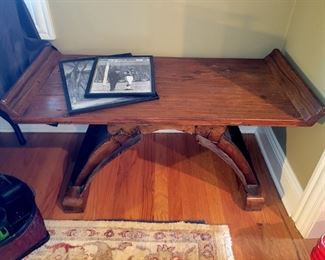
201 96
22 94
296 90
192 91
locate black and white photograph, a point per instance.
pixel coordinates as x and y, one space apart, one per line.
127 76
75 76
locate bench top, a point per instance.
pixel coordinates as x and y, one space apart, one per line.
192 91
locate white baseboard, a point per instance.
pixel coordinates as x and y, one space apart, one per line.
74 128
42 128
281 172
248 129
312 205
168 131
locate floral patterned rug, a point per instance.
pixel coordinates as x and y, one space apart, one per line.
105 240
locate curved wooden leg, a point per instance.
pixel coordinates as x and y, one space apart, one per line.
101 145
227 143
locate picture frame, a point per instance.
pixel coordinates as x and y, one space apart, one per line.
75 75
122 76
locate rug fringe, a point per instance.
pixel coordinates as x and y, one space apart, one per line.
145 225
228 245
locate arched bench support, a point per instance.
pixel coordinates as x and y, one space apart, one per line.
230 147
102 144
99 147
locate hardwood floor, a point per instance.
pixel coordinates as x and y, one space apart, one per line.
163 178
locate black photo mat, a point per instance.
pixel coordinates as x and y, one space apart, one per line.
122 76
75 76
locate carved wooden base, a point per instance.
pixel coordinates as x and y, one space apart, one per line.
99 147
102 144
228 144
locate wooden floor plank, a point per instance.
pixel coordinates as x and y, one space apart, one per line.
163 178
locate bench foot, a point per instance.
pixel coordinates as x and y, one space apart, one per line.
227 143
74 201
253 202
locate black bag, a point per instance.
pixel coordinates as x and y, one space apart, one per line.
22 227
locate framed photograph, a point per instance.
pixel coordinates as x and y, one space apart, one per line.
75 76
122 76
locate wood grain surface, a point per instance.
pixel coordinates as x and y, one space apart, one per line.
164 178
192 91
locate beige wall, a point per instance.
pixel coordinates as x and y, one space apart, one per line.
304 148
171 28
305 45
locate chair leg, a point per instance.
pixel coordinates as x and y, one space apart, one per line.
19 134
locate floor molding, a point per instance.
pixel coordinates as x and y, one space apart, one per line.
73 128
312 202
281 172
43 128
248 129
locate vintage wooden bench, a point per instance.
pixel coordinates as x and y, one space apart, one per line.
207 98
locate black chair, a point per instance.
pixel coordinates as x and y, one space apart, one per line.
20 137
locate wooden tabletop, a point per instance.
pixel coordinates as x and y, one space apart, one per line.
192 91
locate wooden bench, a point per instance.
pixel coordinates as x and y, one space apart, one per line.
207 98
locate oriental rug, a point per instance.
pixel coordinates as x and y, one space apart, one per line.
105 240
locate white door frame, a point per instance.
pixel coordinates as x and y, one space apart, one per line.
310 207
40 12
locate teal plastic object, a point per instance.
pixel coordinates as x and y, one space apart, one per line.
3 233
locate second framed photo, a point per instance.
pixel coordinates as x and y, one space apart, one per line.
123 76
